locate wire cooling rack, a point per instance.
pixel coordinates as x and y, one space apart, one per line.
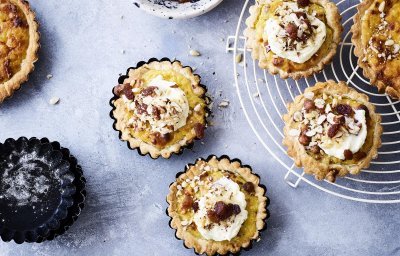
263 98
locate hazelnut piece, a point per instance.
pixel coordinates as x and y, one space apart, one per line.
309 105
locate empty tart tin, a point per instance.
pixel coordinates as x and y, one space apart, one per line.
42 190
115 97
267 203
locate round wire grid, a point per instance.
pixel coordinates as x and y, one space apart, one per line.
263 98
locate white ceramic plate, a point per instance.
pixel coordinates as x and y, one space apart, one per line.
174 10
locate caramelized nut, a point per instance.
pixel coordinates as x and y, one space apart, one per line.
249 187
160 139
149 91
291 30
339 119
344 109
199 130
348 155
333 130
303 3
187 202
128 92
195 206
309 105
304 140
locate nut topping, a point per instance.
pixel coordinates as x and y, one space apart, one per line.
333 130
344 109
348 154
160 139
303 3
309 105
187 203
291 30
199 130
222 211
249 187
304 140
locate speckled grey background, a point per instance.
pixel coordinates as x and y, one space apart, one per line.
82 47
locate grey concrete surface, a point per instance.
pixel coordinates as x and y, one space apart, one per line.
82 47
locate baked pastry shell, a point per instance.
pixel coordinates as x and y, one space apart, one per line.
317 168
359 52
257 49
140 150
8 88
261 225
74 194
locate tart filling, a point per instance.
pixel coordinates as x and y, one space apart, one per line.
160 108
217 206
377 40
18 45
332 130
293 38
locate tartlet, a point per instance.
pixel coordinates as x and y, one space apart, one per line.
160 107
332 130
19 45
42 190
376 38
217 206
293 38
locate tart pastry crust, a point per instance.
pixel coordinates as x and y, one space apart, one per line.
15 79
196 241
192 131
382 74
330 170
286 68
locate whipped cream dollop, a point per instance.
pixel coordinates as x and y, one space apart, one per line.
352 142
227 191
162 104
293 34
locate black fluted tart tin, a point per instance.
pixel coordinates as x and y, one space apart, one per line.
40 185
115 97
187 167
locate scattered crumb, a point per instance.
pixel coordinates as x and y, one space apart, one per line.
194 53
256 95
202 143
123 51
224 104
122 17
239 58
258 239
54 100
49 76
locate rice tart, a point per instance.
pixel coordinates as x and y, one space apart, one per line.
293 38
160 107
19 43
217 206
332 130
376 37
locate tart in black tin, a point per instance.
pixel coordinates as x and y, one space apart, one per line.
160 107
218 206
